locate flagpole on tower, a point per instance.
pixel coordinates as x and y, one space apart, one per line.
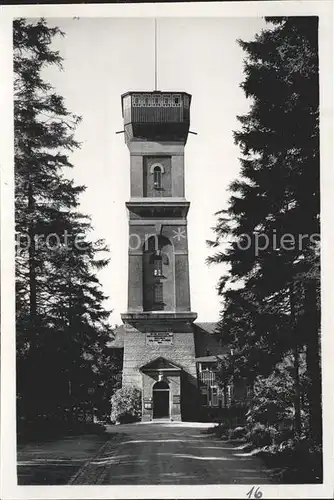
155 56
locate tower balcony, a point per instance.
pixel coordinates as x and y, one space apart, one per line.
156 116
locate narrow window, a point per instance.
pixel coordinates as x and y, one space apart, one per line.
158 298
157 177
214 396
204 399
157 266
249 391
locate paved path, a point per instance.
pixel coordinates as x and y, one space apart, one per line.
56 461
170 453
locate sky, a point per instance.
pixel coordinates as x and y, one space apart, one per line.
105 57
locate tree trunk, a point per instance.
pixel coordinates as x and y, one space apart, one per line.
312 328
225 395
295 351
69 365
32 260
33 394
298 421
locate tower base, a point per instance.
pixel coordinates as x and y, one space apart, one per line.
159 359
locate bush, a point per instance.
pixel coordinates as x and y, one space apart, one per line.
126 405
261 435
294 461
220 430
237 433
43 428
273 399
284 435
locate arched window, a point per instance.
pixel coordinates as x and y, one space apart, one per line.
157 177
158 274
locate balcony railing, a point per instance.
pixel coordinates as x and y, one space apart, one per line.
207 377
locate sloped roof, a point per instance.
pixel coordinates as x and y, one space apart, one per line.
208 326
160 363
206 359
207 339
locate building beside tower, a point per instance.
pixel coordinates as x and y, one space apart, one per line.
168 356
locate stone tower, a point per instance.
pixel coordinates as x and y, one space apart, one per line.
159 350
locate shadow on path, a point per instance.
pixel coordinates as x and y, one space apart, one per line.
55 462
158 454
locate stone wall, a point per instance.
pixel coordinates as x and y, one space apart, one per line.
181 353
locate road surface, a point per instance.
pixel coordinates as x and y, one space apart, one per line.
170 453
55 461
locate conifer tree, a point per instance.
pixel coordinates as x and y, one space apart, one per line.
62 326
277 200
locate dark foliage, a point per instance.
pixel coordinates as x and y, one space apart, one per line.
62 325
268 237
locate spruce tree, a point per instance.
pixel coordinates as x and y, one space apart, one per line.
278 195
62 326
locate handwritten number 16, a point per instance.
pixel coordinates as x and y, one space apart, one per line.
257 493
